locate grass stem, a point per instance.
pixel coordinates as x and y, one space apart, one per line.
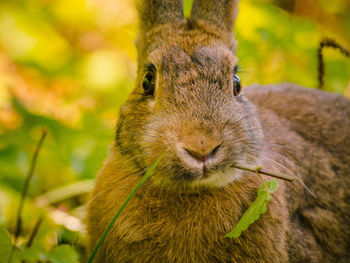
264 172
25 191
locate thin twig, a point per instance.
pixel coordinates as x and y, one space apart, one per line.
24 192
257 169
27 181
332 44
261 171
35 231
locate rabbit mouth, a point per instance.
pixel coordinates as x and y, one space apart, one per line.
194 167
190 176
199 174
211 178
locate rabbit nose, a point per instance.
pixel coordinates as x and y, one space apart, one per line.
202 156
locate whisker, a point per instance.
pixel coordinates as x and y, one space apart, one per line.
271 144
280 165
294 174
306 187
137 172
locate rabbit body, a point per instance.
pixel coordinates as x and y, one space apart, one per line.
195 197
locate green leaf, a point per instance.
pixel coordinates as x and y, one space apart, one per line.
256 209
32 254
5 244
272 185
35 253
63 254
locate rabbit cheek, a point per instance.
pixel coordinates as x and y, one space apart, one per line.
151 104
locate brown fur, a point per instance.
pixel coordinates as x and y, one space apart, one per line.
182 213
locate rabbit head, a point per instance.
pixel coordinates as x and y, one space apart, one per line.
187 97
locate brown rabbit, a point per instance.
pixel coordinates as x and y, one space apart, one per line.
187 100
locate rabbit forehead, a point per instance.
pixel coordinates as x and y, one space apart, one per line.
171 56
218 53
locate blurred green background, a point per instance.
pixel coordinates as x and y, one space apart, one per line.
68 66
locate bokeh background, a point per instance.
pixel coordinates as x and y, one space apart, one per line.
68 65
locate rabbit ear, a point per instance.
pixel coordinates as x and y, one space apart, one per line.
157 12
219 13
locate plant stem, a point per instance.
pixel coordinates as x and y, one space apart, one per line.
257 169
332 44
35 231
261 171
25 190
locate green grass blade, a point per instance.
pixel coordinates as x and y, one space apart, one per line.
187 6
137 187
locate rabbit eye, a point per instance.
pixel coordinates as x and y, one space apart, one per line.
148 81
237 86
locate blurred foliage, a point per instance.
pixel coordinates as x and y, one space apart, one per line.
69 65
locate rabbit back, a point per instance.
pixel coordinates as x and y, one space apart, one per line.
311 133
